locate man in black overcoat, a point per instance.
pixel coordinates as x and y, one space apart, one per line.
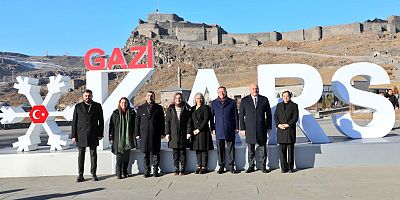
255 121
150 129
87 130
393 99
286 116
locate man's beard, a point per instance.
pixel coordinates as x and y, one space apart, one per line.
88 101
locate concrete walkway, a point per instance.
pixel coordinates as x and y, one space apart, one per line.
381 182
317 183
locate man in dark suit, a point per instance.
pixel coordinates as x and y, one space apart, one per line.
87 130
286 116
150 129
225 124
255 121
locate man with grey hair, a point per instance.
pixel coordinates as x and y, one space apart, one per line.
255 122
225 124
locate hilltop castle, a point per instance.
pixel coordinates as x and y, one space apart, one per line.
174 28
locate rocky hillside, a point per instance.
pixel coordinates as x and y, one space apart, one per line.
235 65
41 67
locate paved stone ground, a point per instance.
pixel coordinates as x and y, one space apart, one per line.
381 182
317 183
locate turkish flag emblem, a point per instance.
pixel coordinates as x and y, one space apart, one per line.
38 114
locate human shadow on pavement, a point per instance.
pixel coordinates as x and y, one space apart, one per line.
10 191
59 195
105 177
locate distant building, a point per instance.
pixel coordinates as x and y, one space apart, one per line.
171 26
167 95
76 83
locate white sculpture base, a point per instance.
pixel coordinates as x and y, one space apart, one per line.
341 152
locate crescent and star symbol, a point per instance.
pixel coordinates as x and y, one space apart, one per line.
38 114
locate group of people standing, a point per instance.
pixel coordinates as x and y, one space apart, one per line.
186 127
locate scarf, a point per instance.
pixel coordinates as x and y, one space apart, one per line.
124 142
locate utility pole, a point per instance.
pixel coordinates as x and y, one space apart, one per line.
179 77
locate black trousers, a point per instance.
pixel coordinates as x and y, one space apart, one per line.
81 160
179 158
230 159
202 158
121 166
251 155
286 156
154 157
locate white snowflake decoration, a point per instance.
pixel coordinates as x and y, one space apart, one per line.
29 87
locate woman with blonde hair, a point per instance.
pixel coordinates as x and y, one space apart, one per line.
396 92
201 135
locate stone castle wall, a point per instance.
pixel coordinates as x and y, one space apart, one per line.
313 34
394 23
159 17
190 34
171 26
250 38
374 27
344 29
293 35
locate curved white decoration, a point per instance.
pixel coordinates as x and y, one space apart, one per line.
383 115
312 91
205 80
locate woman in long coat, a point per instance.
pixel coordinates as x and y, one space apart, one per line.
201 135
177 131
122 124
286 116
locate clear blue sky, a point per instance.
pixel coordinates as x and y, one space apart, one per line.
74 26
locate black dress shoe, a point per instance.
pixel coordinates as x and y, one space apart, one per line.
204 171
119 177
94 178
249 170
182 170
197 170
283 171
233 171
264 170
79 179
146 174
176 172
155 173
126 175
221 170
291 171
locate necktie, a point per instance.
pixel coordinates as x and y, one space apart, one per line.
255 102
